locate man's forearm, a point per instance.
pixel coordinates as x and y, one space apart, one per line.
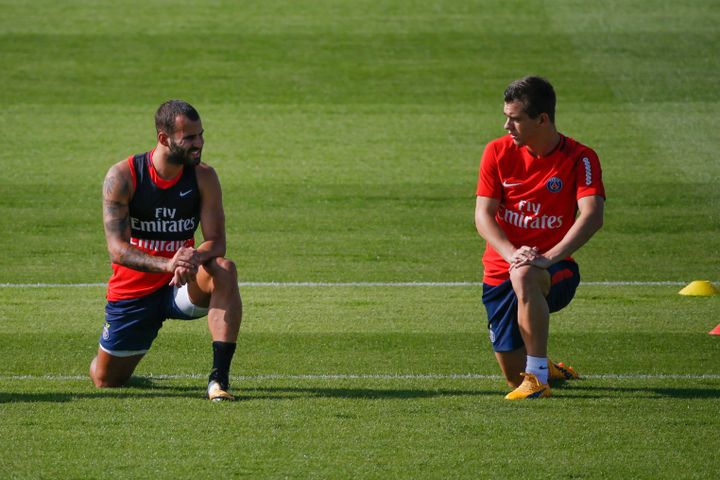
131 257
577 236
210 249
586 225
491 232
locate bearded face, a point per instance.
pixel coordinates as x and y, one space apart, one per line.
185 142
179 155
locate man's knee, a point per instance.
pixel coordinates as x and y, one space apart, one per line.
101 379
106 373
527 280
106 383
224 269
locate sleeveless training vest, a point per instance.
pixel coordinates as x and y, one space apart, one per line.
164 215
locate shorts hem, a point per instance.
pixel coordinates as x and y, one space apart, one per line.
123 353
184 305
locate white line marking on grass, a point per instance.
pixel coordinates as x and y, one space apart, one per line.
379 376
359 284
352 284
50 285
651 376
630 284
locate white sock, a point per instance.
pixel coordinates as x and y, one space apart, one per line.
538 366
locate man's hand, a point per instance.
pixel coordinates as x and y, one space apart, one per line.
184 266
523 255
182 275
528 256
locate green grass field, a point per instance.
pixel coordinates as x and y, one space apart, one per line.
347 136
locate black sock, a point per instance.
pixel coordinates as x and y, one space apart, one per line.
222 356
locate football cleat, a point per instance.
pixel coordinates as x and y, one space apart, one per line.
560 371
218 393
529 389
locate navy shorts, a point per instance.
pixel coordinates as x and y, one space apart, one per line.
501 304
132 325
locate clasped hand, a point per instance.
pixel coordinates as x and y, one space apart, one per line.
184 266
528 256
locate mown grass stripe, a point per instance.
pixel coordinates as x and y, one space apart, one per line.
380 376
619 283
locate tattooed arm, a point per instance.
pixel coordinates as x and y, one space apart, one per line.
117 192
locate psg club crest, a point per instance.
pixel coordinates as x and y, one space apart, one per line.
554 184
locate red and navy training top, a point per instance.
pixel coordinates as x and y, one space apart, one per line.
164 215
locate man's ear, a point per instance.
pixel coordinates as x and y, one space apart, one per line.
163 139
543 118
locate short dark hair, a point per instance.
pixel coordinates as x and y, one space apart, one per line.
535 93
168 112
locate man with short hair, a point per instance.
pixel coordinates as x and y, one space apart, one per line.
153 203
540 197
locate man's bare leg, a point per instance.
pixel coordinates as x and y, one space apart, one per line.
512 365
216 288
110 371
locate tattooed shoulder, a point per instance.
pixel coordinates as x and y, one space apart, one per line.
116 184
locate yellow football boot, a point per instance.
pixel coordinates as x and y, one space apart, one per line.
559 371
530 389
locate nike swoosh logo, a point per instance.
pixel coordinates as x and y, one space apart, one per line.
182 194
508 184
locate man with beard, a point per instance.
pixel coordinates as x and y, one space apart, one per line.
152 204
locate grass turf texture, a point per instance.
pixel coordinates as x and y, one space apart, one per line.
347 138
366 390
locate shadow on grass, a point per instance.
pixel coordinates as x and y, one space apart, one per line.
288 393
137 387
144 388
642 392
